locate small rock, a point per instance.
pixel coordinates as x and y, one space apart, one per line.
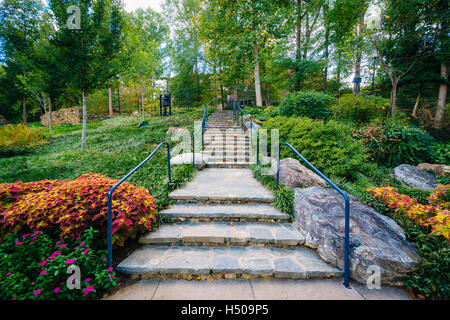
439 169
414 177
294 174
185 158
375 240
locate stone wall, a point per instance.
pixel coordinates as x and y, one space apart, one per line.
67 115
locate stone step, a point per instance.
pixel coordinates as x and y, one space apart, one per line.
228 144
228 165
225 234
226 153
226 262
228 158
220 212
227 185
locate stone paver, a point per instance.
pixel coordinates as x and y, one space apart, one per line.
251 289
224 233
220 184
220 211
253 261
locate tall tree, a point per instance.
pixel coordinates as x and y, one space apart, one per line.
86 55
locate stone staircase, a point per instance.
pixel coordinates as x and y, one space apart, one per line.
226 145
225 226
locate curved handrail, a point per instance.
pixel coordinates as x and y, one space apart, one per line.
342 193
111 191
235 110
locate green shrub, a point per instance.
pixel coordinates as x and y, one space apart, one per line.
34 266
391 143
310 104
20 139
359 109
441 153
329 146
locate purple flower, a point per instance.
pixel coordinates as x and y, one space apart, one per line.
86 250
18 243
88 289
42 272
8 274
13 299
56 290
37 292
70 261
43 263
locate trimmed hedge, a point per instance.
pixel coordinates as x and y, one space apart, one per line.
310 104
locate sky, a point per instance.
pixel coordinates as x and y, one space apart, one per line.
131 5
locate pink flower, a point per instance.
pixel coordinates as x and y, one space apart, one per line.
56 253
18 243
70 261
31 242
8 274
25 235
62 246
82 244
37 292
111 276
51 257
13 299
88 289
43 263
56 290
58 242
78 238
42 272
104 259
87 279
110 269
86 250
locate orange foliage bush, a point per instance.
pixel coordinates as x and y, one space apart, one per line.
435 214
71 206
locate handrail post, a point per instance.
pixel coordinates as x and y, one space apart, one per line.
257 149
193 149
113 188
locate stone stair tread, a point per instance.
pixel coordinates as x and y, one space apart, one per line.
225 233
219 184
253 261
248 211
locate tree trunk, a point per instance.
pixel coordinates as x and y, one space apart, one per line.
416 105
24 110
266 91
356 86
223 97
298 43
257 80
442 98
83 130
393 102
143 110
50 116
110 101
197 79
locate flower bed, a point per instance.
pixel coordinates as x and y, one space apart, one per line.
72 206
434 215
34 266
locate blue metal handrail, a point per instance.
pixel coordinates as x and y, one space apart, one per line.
347 207
111 191
203 127
237 108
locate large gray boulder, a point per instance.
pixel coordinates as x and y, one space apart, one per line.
375 240
414 177
293 174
